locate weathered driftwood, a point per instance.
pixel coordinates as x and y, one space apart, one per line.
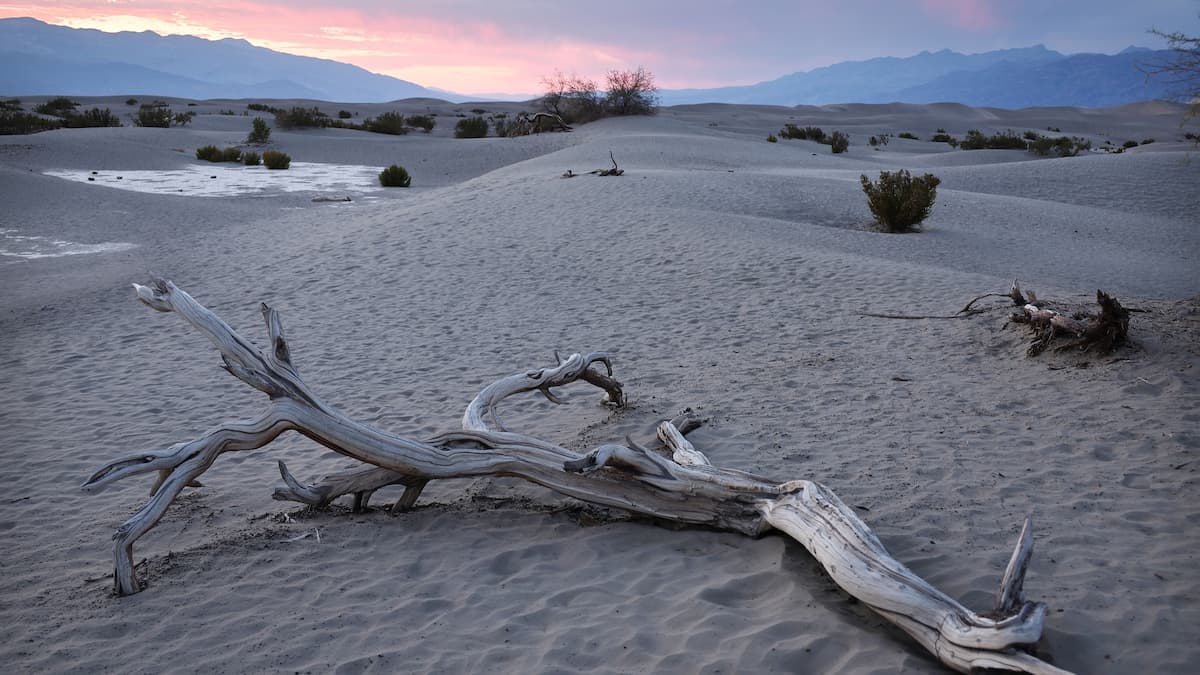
682 487
1103 332
526 123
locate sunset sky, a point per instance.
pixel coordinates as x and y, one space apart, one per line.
508 46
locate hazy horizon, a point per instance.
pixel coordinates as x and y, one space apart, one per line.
478 48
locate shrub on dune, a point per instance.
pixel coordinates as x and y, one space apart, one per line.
898 201
909 136
260 132
11 105
771 138
208 153
231 155
395 176
91 118
423 122
839 142
471 127
274 159
25 123
156 114
57 107
387 123
300 117
251 158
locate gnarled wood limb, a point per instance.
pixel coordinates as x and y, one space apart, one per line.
682 488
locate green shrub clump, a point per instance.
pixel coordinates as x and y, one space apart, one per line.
156 114
259 132
260 107
251 158
91 118
898 201
11 105
387 123
839 142
301 118
943 137
1009 140
802 134
345 114
423 122
395 176
131 101
1129 144
471 127
25 123
181 119
57 107
1062 146
771 138
231 155
208 153
909 136
274 159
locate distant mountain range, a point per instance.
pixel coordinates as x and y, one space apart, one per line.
41 58
1009 78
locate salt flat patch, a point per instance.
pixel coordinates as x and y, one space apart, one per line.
28 246
217 180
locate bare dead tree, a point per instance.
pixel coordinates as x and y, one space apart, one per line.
572 98
1182 72
631 92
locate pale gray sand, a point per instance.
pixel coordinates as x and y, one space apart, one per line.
733 293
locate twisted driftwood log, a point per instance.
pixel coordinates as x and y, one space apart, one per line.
682 488
1104 331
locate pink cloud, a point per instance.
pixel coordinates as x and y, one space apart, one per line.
973 15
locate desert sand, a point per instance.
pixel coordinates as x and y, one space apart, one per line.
723 273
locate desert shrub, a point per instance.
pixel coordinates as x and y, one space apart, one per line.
57 107
208 153
251 158
802 134
898 201
1191 136
156 114
260 132
91 118
502 127
395 176
471 127
1062 146
260 107
631 92
274 159
1030 135
1147 141
479 111
131 101
387 123
301 118
943 137
1054 129
1008 140
231 155
345 114
574 99
423 122
839 142
1129 144
24 123
771 138
873 141
909 136
11 105
181 119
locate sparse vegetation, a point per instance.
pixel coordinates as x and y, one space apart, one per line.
791 131
274 159
131 101
1183 71
1147 141
181 119
12 123
91 118
423 122
208 153
1129 144
631 92
156 114
1062 146
301 118
572 98
839 142
231 155
479 111
1008 140
260 131
57 107
471 127
395 176
909 136
942 137
260 107
387 123
11 105
250 158
771 138
898 201
345 114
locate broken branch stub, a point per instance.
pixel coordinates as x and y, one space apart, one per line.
682 487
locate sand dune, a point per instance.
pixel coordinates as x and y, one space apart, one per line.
724 273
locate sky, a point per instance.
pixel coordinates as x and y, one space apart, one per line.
509 46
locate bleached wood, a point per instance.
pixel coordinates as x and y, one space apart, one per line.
683 488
